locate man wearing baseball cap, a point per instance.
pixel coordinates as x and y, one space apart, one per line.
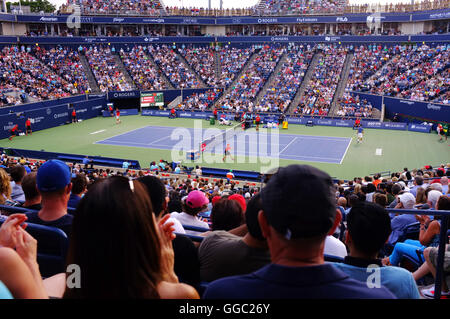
53 182
399 222
298 213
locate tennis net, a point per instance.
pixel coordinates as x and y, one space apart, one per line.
209 143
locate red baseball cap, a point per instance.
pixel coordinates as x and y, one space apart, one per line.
240 199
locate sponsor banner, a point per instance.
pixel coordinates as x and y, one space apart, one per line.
118 95
232 39
146 112
47 117
384 125
419 128
123 112
194 115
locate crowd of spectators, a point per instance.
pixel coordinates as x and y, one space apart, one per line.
22 71
280 93
408 70
7 99
367 60
144 73
232 60
174 68
201 60
66 63
199 101
105 69
249 84
353 106
299 7
89 7
321 88
250 233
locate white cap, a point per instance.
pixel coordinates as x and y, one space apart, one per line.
408 200
247 195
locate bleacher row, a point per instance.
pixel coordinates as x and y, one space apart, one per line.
263 7
418 72
53 242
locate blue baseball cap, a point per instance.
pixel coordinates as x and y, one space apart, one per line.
53 175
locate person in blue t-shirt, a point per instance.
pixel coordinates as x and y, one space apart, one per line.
298 212
368 228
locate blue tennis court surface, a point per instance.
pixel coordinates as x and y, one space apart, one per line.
250 143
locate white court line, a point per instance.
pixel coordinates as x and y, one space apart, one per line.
348 145
287 146
159 139
120 134
96 132
119 143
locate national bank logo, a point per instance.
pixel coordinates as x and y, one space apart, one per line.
433 107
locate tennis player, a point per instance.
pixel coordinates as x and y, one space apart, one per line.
28 127
441 132
360 134
74 116
118 116
13 131
227 152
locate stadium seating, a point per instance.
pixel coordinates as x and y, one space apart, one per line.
106 72
175 70
144 73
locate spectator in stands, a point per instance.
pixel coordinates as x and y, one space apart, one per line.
225 254
195 202
428 237
226 214
430 255
136 262
17 174
298 212
444 182
54 185
5 189
79 188
399 222
418 182
368 228
32 196
187 265
19 270
380 199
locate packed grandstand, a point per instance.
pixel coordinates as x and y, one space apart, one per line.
183 230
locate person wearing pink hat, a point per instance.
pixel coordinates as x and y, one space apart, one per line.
193 204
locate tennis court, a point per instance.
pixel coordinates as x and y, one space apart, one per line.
249 143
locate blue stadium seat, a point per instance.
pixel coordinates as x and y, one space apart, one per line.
194 238
52 248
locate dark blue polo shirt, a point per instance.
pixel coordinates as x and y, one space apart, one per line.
283 282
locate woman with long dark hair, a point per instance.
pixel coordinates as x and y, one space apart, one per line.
120 249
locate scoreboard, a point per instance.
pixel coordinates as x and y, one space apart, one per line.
152 99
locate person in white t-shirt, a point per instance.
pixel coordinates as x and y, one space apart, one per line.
195 202
335 247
